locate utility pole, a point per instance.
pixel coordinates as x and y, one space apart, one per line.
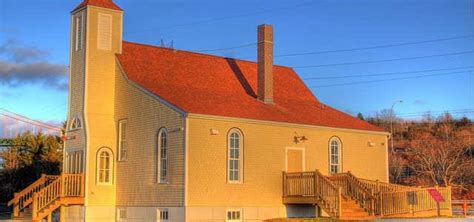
392 114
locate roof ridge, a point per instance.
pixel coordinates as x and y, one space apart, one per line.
201 54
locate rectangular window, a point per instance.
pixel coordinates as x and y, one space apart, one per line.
121 213
234 215
163 215
122 140
104 36
79 29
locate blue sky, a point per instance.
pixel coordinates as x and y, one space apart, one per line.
34 48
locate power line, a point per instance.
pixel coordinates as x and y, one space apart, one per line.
223 49
385 73
392 79
385 60
375 47
24 118
221 18
32 123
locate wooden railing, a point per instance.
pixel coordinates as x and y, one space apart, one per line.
413 200
375 197
352 187
67 185
313 184
24 198
378 186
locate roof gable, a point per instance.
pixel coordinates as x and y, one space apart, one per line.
212 85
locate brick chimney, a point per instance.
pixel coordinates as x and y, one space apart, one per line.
265 63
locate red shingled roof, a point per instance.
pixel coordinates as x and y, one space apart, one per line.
99 3
212 85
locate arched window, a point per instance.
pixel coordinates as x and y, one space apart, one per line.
162 161
75 123
104 166
234 156
335 155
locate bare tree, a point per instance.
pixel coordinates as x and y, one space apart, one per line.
441 154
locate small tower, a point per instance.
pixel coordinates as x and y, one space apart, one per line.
96 38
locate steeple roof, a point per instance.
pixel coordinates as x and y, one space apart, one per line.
99 3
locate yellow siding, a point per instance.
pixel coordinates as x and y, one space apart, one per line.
264 159
76 90
99 103
136 177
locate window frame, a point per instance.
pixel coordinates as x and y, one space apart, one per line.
79 29
122 139
239 159
109 179
161 212
73 124
241 214
338 155
159 158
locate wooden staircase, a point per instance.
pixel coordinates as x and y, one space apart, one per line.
351 210
39 200
345 196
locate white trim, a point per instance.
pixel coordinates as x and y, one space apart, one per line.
78 25
186 164
303 149
339 154
74 119
69 85
148 93
85 96
159 159
240 159
274 123
110 167
121 158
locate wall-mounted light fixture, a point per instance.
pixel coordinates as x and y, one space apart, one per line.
370 143
214 131
297 138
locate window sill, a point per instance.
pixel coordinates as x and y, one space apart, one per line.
74 130
235 182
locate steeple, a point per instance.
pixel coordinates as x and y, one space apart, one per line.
99 3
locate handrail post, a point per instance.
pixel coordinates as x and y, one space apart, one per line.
62 184
83 185
339 202
450 204
16 206
315 184
283 183
35 205
381 204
